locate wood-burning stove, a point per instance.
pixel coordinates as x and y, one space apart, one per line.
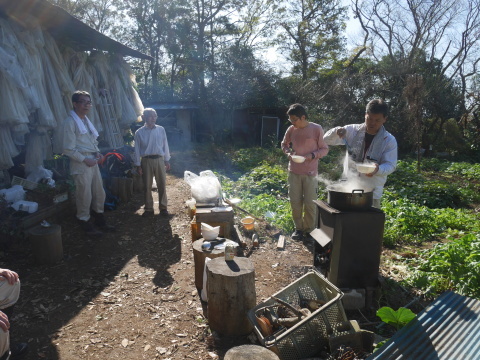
348 245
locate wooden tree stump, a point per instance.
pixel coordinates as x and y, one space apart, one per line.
122 187
129 188
46 244
199 257
137 183
250 352
231 294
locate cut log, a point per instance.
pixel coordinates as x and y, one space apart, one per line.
250 352
199 257
122 187
137 183
281 242
129 188
46 244
231 294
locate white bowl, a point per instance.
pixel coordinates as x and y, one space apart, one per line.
365 168
298 159
210 233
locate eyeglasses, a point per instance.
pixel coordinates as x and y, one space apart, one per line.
84 102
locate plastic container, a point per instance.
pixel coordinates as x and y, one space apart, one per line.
312 334
191 207
23 205
248 223
230 252
13 194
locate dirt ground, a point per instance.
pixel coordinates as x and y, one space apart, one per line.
131 294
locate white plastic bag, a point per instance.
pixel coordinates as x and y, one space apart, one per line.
205 187
39 174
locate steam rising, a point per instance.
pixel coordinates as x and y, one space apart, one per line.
351 179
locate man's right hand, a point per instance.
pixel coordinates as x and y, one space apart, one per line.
4 323
139 170
90 162
341 132
9 275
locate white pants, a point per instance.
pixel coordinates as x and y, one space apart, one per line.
89 192
9 295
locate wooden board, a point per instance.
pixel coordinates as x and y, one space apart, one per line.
281 242
241 239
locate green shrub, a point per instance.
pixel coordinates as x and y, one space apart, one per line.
249 158
279 208
434 164
467 170
454 266
264 179
407 222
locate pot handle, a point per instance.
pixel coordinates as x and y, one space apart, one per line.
358 190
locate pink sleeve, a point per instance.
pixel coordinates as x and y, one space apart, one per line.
322 145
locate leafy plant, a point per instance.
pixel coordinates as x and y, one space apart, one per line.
265 179
279 208
407 222
397 319
454 265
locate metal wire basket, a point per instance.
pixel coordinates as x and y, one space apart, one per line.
310 335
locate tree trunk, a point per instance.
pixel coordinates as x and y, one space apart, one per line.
231 294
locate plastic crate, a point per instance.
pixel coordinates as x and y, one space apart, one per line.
26 184
311 335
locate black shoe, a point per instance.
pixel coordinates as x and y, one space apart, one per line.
147 213
308 237
100 221
297 235
18 351
108 228
89 229
164 212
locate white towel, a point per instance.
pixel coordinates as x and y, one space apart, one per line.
81 126
357 145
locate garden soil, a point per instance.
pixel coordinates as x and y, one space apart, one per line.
131 294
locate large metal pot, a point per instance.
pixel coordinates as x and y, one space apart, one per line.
357 199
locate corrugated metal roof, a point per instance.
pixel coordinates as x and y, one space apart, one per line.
449 329
63 26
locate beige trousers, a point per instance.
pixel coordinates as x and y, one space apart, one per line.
89 192
154 168
376 203
9 295
302 190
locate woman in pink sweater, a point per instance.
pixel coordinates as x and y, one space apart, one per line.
305 139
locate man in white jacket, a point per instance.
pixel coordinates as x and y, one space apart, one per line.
81 146
369 142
